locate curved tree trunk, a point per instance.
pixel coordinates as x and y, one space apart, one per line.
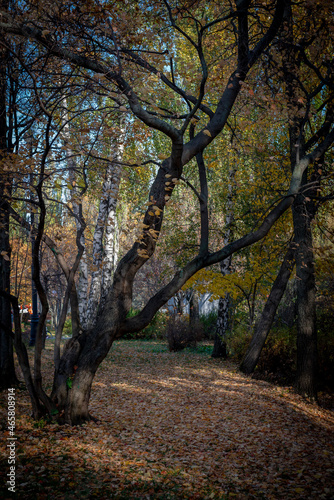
264 324
82 356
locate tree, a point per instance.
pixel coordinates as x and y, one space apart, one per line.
120 50
309 93
224 305
7 370
265 322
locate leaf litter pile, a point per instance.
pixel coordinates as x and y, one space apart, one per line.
174 426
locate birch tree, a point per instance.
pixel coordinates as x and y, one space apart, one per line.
224 304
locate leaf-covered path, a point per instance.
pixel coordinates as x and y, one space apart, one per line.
174 426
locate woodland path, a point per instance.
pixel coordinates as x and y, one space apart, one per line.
174 426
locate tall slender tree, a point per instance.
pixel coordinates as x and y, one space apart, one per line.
7 370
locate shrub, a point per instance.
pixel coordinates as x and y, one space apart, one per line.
237 342
278 357
180 335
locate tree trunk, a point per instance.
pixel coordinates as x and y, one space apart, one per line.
78 297
76 411
223 322
306 309
224 306
7 370
89 349
110 253
301 211
82 356
21 351
263 326
105 255
193 310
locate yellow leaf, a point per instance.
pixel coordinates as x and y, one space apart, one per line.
207 132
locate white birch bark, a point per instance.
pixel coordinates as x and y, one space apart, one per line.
106 234
111 239
104 255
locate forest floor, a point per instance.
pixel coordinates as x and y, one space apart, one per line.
174 426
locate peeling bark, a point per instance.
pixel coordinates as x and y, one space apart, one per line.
104 256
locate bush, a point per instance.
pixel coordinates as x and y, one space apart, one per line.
278 357
180 335
238 342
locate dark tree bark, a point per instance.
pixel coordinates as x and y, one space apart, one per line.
21 351
302 214
264 324
306 379
7 370
222 328
193 309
